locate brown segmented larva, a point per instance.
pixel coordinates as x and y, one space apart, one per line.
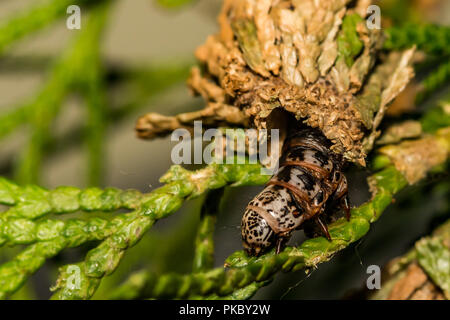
307 185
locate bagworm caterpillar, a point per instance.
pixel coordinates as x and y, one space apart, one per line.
301 194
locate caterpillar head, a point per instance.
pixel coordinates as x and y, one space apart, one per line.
257 235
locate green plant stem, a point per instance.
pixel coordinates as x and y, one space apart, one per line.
16 231
14 273
46 238
176 254
49 237
180 185
32 202
242 270
204 243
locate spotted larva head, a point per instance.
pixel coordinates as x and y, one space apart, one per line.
257 236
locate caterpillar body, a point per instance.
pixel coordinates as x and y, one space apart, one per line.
301 194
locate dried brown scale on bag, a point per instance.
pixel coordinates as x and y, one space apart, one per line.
154 125
207 88
315 59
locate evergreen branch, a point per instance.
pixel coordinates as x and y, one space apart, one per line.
14 273
433 39
241 271
180 185
49 237
242 277
32 202
176 254
133 286
19 231
204 244
349 44
434 81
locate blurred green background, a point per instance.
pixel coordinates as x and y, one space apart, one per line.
146 50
